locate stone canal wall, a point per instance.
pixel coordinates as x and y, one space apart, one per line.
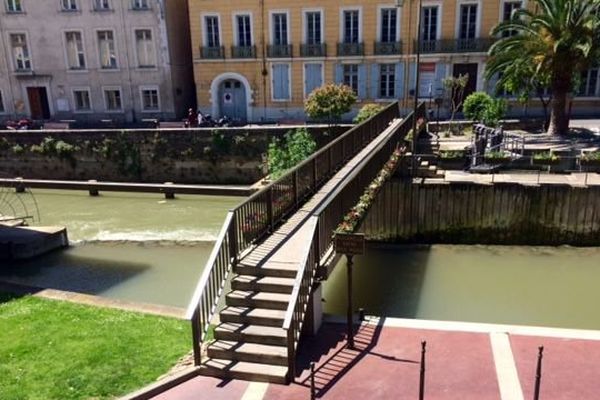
471 213
202 156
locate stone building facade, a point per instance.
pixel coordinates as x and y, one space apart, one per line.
258 60
92 60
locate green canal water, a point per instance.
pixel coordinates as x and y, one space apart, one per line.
143 248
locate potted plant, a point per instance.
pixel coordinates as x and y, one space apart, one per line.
452 158
546 158
496 157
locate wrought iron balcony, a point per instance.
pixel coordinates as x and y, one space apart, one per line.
243 51
350 49
313 50
478 45
215 52
388 48
280 50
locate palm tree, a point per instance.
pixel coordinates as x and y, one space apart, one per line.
559 39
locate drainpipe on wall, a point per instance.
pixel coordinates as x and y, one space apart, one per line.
264 71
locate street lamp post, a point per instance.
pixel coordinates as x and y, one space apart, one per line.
399 4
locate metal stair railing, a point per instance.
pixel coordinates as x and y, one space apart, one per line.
261 213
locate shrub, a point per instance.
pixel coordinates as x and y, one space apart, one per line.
368 111
481 107
285 154
330 102
18 149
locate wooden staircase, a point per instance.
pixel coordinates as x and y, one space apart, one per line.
250 342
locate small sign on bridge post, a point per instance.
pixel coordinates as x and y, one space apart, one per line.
350 244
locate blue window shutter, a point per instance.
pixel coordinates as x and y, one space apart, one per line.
375 81
362 81
412 79
285 81
313 77
277 81
399 80
339 73
440 74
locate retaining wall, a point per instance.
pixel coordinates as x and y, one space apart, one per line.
233 155
471 213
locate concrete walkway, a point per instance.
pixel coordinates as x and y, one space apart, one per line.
489 362
574 179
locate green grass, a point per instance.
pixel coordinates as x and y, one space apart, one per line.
58 350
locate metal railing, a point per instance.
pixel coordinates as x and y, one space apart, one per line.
388 48
211 53
477 45
280 50
325 220
262 212
243 51
313 50
350 49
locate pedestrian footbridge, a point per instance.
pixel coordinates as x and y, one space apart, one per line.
252 302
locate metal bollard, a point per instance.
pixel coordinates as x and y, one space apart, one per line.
538 374
313 394
361 314
422 374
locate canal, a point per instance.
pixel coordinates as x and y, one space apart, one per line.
142 248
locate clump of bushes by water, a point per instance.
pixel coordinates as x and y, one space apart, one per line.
368 111
452 154
284 154
546 158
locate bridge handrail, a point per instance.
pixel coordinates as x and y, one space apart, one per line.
325 220
263 211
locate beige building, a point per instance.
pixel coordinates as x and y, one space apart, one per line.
122 60
259 59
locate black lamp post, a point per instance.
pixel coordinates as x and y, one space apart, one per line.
399 4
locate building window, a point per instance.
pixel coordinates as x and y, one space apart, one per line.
468 21
82 100
387 81
281 82
106 45
101 5
144 44
112 99
69 5
589 82
244 30
20 52
2 109
507 10
313 27
351 26
430 23
150 100
75 52
280 29
351 76
140 5
14 6
389 23
212 31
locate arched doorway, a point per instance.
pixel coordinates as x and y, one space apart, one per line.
231 96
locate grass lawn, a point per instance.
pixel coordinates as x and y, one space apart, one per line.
58 350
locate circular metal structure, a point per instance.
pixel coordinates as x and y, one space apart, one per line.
18 206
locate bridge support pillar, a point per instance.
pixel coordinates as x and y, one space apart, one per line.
314 317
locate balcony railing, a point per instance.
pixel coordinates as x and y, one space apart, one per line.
388 48
478 45
214 52
243 51
350 49
313 50
280 50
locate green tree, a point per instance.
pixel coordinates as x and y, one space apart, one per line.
481 107
330 102
455 89
368 111
560 38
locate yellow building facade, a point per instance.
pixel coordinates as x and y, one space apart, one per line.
257 60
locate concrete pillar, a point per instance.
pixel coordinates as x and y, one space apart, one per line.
93 190
316 303
19 187
169 194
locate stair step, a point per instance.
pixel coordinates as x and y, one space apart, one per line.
279 271
244 370
251 333
275 301
252 316
424 164
263 284
249 352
